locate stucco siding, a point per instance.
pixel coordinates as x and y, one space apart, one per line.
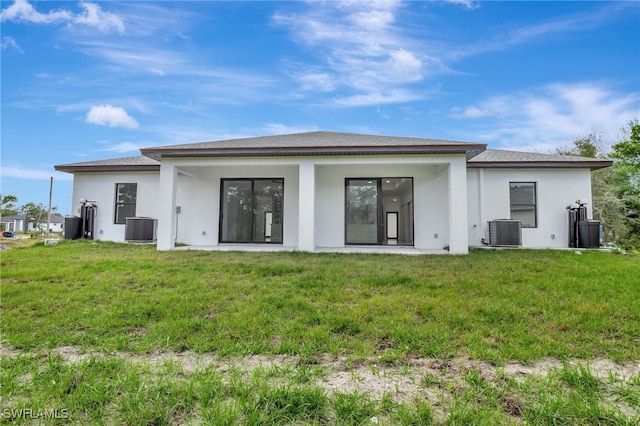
430 197
101 188
489 199
198 195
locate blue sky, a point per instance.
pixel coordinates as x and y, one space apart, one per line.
90 80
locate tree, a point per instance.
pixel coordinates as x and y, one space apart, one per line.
626 177
8 205
35 213
627 153
586 146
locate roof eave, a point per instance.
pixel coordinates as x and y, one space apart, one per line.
158 153
108 168
593 165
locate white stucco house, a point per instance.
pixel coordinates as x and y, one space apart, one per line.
20 223
322 191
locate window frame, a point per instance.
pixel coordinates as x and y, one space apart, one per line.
117 205
534 204
252 201
381 217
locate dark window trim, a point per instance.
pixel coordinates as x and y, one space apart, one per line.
253 220
116 203
380 213
534 205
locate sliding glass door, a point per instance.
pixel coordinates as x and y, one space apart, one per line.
251 210
363 211
379 211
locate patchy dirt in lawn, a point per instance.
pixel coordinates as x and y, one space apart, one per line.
415 378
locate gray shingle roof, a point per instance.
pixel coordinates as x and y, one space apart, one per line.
314 143
332 143
137 163
498 158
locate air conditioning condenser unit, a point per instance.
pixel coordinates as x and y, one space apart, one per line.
505 233
140 229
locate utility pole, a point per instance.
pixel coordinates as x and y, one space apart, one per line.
49 213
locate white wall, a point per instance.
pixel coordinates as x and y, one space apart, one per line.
198 195
101 188
431 211
54 227
488 199
197 192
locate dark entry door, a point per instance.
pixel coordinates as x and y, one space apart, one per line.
372 211
251 210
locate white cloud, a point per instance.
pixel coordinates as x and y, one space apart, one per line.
496 106
360 49
382 114
317 81
124 147
469 4
10 42
23 11
92 15
552 116
282 129
373 18
29 173
229 85
507 37
111 116
405 66
469 112
378 98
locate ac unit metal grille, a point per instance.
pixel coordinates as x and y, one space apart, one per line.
505 233
139 229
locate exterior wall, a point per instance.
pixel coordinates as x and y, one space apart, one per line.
198 195
430 195
452 205
13 225
53 226
101 188
488 199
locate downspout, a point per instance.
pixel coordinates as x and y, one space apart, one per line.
481 203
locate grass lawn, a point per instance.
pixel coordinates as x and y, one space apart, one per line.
492 308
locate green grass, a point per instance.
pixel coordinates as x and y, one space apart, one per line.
123 305
110 390
492 305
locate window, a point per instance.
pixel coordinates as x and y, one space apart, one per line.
251 210
523 203
379 211
126 194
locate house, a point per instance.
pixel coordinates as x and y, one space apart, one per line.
16 224
56 223
20 223
323 191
